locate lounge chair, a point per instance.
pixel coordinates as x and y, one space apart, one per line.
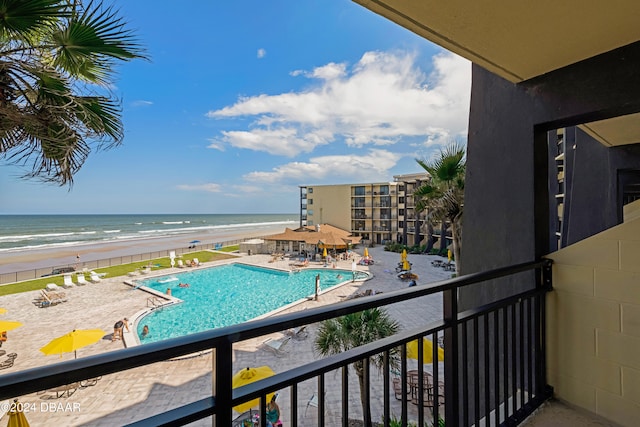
298 334
195 262
53 287
68 281
81 279
90 382
94 278
276 346
180 264
63 390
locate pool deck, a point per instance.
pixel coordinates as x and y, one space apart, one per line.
132 395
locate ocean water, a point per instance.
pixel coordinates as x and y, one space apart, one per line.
25 232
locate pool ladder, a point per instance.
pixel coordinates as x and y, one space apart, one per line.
155 302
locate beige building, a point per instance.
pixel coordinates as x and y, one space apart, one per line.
379 212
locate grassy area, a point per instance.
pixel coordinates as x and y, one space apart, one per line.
115 271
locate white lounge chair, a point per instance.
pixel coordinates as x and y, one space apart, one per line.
68 281
180 264
94 278
81 279
276 346
53 287
195 262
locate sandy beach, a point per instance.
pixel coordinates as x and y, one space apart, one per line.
124 397
13 261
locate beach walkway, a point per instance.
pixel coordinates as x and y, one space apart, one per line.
128 396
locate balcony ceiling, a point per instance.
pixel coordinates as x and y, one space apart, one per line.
525 39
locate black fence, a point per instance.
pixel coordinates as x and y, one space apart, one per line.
494 360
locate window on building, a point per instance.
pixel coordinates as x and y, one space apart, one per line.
310 212
310 201
310 190
401 212
359 191
401 199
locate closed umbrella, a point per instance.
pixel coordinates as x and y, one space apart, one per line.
324 252
403 256
72 341
449 254
406 266
366 253
16 416
247 376
427 351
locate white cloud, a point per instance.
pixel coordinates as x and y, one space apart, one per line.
372 166
209 188
261 53
382 99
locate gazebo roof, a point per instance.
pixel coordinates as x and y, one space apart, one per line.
324 234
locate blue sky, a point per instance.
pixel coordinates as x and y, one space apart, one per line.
243 101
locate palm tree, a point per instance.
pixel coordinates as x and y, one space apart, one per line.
353 330
57 58
443 195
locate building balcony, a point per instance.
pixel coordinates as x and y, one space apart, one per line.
515 385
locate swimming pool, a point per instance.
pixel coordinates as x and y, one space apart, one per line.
228 295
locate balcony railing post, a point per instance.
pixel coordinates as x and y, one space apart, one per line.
452 406
222 390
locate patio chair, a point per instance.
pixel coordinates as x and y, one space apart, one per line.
63 390
94 277
276 346
53 287
8 362
81 280
90 382
180 264
195 262
298 334
313 402
68 281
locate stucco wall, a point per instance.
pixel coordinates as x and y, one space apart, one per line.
593 345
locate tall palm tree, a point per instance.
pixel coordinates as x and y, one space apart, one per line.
57 58
353 330
443 195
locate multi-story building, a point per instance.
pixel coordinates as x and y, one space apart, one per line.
377 212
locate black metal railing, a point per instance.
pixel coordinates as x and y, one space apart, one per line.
494 360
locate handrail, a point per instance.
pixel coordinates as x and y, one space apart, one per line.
221 339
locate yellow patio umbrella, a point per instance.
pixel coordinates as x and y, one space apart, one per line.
324 252
16 416
366 253
247 376
72 341
403 256
427 351
8 325
405 265
449 254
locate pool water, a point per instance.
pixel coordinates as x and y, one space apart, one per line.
228 295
